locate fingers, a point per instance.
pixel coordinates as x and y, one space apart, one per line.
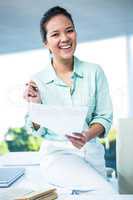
32 85
78 140
31 93
79 135
77 143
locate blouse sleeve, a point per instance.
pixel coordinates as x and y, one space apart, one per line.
103 112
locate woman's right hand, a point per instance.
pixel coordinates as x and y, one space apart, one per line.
31 93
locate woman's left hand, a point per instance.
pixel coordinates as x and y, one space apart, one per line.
78 139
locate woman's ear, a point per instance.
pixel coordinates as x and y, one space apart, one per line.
45 44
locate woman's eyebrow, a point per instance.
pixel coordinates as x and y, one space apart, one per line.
57 31
54 31
69 27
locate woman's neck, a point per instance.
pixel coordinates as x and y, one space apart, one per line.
62 66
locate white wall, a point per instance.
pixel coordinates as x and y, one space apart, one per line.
15 71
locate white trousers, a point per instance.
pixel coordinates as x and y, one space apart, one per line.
64 165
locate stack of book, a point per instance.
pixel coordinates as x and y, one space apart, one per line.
39 195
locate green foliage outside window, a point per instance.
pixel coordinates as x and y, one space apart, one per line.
3 147
17 139
110 148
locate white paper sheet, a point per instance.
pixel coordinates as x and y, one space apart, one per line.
21 159
60 119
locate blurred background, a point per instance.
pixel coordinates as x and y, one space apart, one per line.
105 36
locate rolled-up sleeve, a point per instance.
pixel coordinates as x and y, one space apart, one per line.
103 112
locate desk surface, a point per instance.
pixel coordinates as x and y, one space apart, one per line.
32 179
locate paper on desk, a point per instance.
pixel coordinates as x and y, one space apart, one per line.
60 119
21 159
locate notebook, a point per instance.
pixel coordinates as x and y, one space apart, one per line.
9 175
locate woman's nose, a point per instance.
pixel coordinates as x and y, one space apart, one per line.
64 37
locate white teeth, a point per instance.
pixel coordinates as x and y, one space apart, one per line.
65 47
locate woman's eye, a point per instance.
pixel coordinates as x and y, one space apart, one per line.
70 30
54 35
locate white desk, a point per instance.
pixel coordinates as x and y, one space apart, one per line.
33 179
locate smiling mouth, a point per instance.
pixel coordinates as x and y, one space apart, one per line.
68 46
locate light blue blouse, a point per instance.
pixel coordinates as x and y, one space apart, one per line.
89 88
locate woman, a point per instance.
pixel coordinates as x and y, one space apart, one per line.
68 81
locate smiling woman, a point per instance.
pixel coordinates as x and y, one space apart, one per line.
66 80
61 41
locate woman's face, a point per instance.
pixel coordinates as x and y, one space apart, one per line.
61 37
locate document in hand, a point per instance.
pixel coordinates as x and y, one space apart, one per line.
60 119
